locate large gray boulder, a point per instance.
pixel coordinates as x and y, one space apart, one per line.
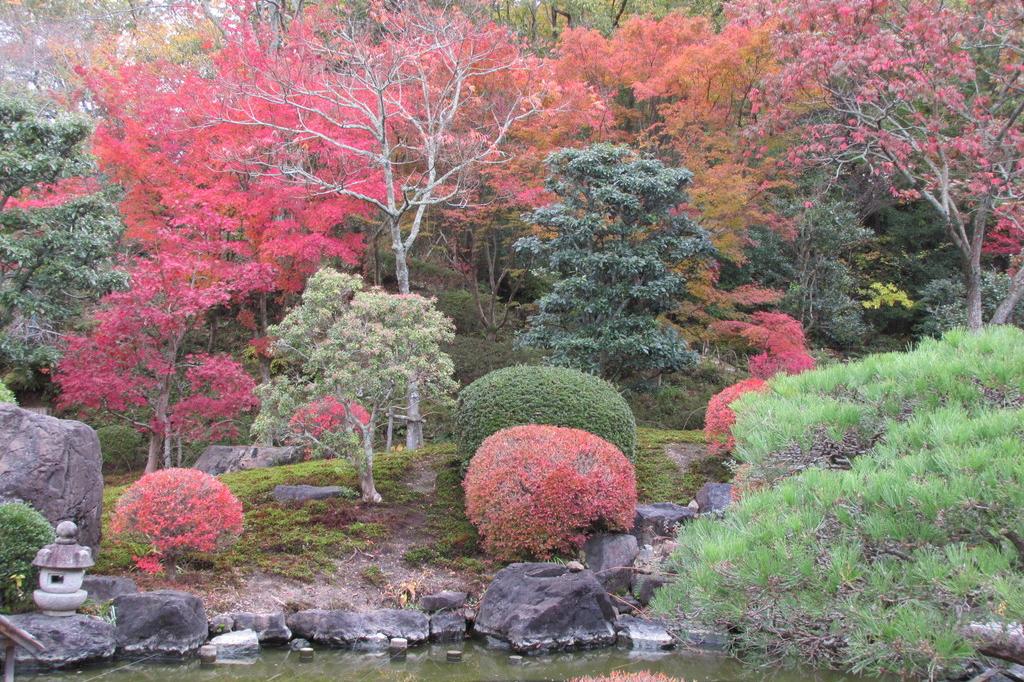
221 459
714 498
53 465
610 556
659 520
536 607
442 601
69 640
163 623
104 588
364 631
448 626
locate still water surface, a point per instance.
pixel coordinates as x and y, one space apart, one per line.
428 664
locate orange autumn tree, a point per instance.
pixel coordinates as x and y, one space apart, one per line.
691 93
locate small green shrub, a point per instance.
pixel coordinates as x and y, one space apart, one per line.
556 396
123 448
6 394
23 531
892 518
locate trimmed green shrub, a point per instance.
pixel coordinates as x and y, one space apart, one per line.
122 447
23 532
6 394
889 515
556 396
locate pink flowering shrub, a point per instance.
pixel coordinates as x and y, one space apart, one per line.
536 491
177 511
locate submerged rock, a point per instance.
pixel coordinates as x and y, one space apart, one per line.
164 622
536 607
69 640
366 631
240 646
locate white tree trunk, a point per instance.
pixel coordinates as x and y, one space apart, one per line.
366 483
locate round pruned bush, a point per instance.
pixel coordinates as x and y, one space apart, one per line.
122 447
177 511
23 532
558 396
535 491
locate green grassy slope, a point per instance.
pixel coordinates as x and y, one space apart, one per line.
875 567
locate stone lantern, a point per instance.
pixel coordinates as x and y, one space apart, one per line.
61 570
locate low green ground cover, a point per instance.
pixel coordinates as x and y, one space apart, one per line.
892 516
659 479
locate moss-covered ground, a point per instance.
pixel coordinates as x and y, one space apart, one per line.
303 542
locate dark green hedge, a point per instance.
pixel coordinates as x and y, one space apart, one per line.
542 395
23 532
122 447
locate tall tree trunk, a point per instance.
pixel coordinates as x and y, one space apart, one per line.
972 275
153 457
366 483
414 419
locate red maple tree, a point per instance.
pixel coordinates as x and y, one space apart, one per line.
924 95
139 362
183 177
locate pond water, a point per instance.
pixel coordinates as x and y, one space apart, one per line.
428 664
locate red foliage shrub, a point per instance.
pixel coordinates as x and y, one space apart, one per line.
537 490
719 418
619 676
779 336
178 511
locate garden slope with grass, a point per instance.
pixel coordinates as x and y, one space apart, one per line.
348 554
890 517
